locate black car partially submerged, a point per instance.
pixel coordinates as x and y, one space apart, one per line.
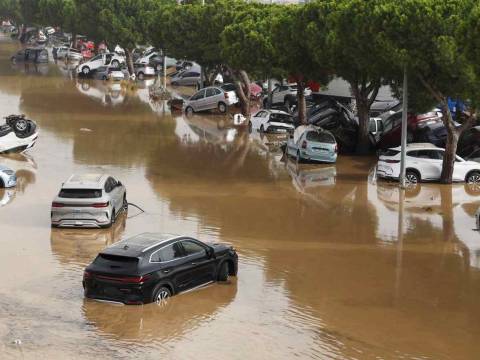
151 267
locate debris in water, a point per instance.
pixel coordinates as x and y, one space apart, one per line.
17 342
86 129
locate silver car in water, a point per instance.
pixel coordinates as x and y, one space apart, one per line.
89 201
209 98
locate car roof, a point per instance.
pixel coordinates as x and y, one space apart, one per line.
273 111
139 244
418 146
85 181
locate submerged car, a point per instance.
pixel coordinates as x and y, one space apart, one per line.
7 177
424 162
17 134
89 201
100 60
108 73
142 71
35 55
274 121
151 267
209 98
186 78
312 143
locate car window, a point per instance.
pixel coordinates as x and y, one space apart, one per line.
167 253
392 121
217 91
98 57
187 74
372 126
192 247
426 154
80 193
110 184
210 92
283 118
199 95
260 114
322 137
229 87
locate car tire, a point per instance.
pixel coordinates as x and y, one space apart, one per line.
125 203
223 272
112 219
222 107
189 111
412 177
141 76
473 178
115 63
21 126
85 70
104 77
161 294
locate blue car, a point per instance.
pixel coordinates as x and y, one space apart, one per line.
312 143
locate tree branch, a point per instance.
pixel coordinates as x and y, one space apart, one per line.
434 92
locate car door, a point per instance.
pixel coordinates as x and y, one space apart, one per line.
95 62
429 163
210 99
196 101
175 266
258 119
460 169
203 268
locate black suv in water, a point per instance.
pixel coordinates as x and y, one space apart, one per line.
151 267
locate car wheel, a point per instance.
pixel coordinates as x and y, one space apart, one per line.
21 125
412 177
141 75
125 203
104 77
85 70
473 178
222 107
262 129
112 219
115 63
223 273
161 295
189 111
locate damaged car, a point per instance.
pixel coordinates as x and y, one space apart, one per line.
312 143
17 134
151 267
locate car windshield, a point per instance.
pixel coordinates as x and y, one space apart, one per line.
322 137
283 118
80 193
108 261
390 152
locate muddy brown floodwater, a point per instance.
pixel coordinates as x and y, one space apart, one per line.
330 266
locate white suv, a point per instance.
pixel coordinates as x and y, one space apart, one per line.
424 163
99 61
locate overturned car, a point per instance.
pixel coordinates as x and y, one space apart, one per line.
17 134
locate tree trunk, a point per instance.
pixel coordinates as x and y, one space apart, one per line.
301 103
243 89
129 58
451 146
74 40
363 142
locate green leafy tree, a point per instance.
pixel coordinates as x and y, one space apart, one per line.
438 43
10 9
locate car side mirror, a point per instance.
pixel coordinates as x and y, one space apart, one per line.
210 252
119 183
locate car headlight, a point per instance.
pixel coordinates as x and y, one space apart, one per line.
8 172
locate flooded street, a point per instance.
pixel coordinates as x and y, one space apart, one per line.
328 266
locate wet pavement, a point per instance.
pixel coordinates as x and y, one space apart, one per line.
331 266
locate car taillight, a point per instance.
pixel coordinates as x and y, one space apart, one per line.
392 161
87 275
226 96
126 279
304 144
57 204
335 148
101 205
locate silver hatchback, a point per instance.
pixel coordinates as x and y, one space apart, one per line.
89 201
209 98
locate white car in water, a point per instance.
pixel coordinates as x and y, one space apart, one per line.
7 177
109 59
271 121
424 163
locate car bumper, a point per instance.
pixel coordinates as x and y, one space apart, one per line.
118 293
387 172
321 157
80 219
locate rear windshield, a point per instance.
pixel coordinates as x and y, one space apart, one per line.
283 118
116 262
80 193
320 137
390 152
229 87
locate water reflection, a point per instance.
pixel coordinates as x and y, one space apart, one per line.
31 68
105 92
153 324
80 246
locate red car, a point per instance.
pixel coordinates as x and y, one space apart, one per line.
392 127
255 91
